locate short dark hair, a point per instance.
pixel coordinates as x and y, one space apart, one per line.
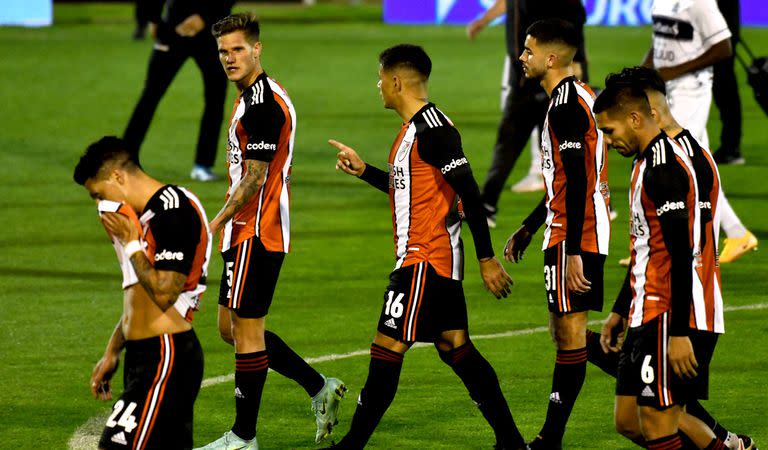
555 31
408 56
245 22
640 76
97 155
623 97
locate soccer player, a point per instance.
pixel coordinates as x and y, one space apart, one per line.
688 38
707 287
429 183
665 236
254 226
164 255
575 209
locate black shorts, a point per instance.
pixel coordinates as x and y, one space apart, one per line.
419 304
162 378
249 278
559 299
644 371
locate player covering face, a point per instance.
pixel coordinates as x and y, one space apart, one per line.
429 183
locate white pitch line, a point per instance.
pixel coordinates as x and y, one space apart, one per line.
84 437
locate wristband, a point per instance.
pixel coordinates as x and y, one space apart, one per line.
131 248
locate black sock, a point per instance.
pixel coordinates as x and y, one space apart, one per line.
607 362
375 397
283 360
716 444
483 386
671 442
695 409
250 374
567 379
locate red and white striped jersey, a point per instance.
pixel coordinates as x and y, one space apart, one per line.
425 208
263 128
129 274
570 127
707 294
663 183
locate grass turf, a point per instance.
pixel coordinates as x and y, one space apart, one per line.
65 86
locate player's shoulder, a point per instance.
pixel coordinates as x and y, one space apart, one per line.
258 94
565 96
170 200
430 119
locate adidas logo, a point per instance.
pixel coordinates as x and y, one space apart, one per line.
119 438
647 392
238 394
555 398
391 323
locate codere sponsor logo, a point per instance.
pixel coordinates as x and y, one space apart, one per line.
260 146
453 164
669 206
568 144
165 255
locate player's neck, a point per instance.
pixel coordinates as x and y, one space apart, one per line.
410 106
646 136
141 188
246 82
553 77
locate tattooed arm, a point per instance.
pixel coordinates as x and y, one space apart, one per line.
249 185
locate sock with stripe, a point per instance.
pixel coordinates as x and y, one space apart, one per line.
283 360
695 409
375 397
607 362
671 442
716 444
483 386
567 379
250 375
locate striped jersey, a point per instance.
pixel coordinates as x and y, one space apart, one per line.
707 294
263 128
425 207
663 189
129 274
574 166
174 236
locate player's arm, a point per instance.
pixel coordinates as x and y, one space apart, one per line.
107 365
718 52
569 123
242 193
439 147
667 184
262 123
612 334
498 8
348 161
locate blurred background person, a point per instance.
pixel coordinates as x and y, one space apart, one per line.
182 31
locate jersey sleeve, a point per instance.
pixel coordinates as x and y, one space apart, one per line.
176 233
263 122
441 148
376 178
710 23
569 124
667 186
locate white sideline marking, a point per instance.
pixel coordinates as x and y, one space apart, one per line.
87 435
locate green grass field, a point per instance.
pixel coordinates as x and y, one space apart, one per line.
65 86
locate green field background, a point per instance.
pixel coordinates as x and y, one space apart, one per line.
65 86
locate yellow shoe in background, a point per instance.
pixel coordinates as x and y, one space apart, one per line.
735 248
